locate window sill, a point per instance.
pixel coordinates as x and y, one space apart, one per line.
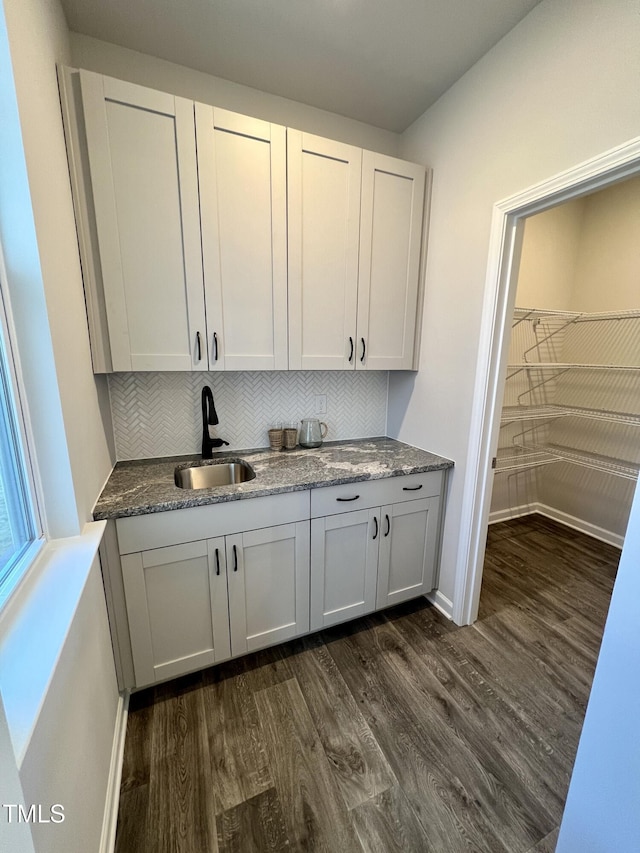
34 625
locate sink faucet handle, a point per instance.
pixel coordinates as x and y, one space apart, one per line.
218 442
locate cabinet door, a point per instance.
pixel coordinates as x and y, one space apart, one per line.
142 161
177 609
390 241
408 541
324 222
344 562
242 179
268 574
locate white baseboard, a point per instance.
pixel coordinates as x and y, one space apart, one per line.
441 603
563 518
511 513
108 838
583 526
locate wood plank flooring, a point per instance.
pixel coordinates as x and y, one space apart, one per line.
398 732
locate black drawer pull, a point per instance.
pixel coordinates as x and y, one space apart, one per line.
412 488
375 535
199 346
364 349
348 499
215 346
235 559
388 525
217 562
351 353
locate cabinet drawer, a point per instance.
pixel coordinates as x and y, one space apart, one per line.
369 493
159 529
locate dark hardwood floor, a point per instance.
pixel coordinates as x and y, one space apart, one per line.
398 732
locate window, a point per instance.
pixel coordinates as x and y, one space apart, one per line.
19 522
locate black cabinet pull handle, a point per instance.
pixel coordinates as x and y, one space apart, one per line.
217 562
375 535
235 559
364 349
412 488
351 353
199 346
215 347
346 500
388 525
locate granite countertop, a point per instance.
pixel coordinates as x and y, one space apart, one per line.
144 486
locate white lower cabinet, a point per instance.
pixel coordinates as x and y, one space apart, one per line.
177 608
344 567
198 603
408 539
268 575
230 590
366 560
370 558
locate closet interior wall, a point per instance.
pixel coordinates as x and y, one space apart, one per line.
578 303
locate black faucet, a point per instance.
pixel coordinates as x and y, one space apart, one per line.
209 416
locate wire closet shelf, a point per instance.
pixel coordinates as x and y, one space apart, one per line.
546 336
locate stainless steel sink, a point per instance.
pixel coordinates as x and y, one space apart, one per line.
213 474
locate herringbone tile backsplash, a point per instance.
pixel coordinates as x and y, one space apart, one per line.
158 414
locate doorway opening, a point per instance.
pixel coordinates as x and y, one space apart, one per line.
506 251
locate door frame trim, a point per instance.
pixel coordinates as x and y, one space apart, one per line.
499 299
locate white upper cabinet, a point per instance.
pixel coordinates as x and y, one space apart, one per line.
324 223
242 179
355 231
390 242
142 162
214 241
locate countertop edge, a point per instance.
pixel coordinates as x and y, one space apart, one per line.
193 499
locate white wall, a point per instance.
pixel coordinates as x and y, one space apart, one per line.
607 272
69 754
583 255
550 250
14 838
558 90
38 38
120 62
601 812
60 697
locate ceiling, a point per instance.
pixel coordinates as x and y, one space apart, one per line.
383 62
